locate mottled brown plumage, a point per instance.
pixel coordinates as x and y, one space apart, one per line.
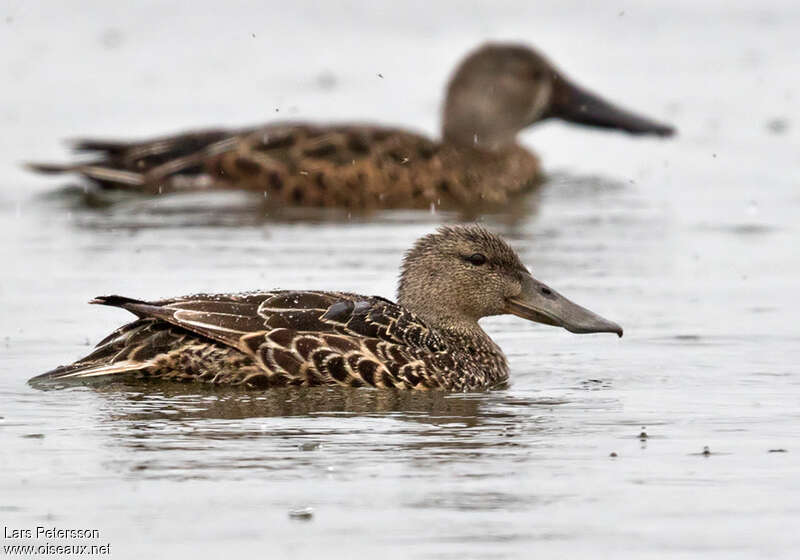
496 92
429 339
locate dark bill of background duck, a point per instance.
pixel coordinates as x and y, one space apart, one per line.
575 104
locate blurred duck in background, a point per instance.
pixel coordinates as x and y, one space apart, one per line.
496 92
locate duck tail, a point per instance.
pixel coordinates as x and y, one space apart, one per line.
104 176
120 352
146 166
88 370
48 168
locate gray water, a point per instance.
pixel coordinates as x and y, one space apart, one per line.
690 244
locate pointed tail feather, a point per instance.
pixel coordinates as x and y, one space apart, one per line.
126 303
105 176
49 168
89 370
94 145
115 301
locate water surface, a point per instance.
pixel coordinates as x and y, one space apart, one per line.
690 244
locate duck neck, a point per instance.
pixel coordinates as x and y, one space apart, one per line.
489 360
470 338
470 120
466 335
454 328
467 134
438 314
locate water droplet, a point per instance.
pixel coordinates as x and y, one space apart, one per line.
304 513
777 126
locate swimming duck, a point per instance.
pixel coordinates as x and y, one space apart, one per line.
429 339
496 92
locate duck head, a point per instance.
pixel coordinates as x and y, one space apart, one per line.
459 274
500 89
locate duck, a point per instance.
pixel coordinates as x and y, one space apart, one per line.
429 339
497 91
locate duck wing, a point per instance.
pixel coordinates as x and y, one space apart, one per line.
295 337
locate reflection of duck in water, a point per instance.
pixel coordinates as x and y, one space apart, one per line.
429 339
499 90
177 401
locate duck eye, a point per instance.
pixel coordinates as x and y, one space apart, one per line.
477 259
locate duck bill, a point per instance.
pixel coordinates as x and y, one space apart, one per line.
542 304
574 104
